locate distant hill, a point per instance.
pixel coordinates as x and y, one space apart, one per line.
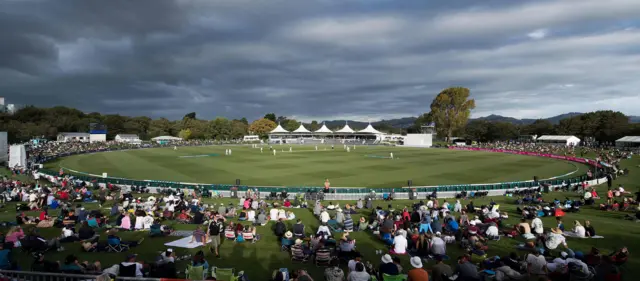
406 122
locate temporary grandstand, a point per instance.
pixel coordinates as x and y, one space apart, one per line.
346 134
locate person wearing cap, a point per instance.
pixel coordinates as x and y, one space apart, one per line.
387 267
417 273
438 245
324 216
42 265
466 270
400 243
167 256
441 271
130 268
555 239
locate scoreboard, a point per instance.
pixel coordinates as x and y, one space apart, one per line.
97 129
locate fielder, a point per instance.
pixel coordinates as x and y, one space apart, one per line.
290 149
175 147
261 150
274 152
316 148
391 155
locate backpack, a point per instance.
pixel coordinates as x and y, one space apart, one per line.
214 228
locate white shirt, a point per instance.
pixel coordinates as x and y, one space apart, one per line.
554 240
537 263
352 265
67 232
492 231
33 197
580 231
429 204
400 244
325 229
273 214
138 267
536 226
324 217
438 246
251 215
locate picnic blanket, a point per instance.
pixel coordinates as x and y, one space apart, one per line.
184 243
574 235
182 233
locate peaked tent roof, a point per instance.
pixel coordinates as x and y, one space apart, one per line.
557 138
323 129
370 129
279 129
346 129
301 129
633 139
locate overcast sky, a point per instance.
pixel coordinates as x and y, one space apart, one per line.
323 59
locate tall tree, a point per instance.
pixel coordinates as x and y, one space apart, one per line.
314 126
451 110
191 115
270 116
290 124
262 127
540 127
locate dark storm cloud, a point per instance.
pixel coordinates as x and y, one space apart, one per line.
323 59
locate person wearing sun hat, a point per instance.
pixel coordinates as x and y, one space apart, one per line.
554 239
417 273
387 267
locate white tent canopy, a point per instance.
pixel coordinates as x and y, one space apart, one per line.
279 129
167 138
346 129
568 140
324 129
301 129
370 130
629 139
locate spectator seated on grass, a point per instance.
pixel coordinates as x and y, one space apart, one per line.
298 229
40 264
130 268
279 229
287 240
36 243
347 248
199 236
13 237
387 267
113 239
262 219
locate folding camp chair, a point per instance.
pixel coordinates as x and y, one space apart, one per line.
286 244
114 245
297 254
196 272
223 274
248 236
323 258
387 277
334 226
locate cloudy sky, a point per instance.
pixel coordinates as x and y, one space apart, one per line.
320 59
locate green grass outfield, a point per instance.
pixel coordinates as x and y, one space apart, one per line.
366 166
259 259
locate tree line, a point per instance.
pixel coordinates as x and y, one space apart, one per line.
36 122
451 108
450 111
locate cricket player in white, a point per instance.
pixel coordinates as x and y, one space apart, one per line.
316 148
290 149
229 151
274 152
391 155
348 149
175 147
261 150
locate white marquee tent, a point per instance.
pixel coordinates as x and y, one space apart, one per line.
302 129
346 130
370 130
279 129
566 140
628 141
323 130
